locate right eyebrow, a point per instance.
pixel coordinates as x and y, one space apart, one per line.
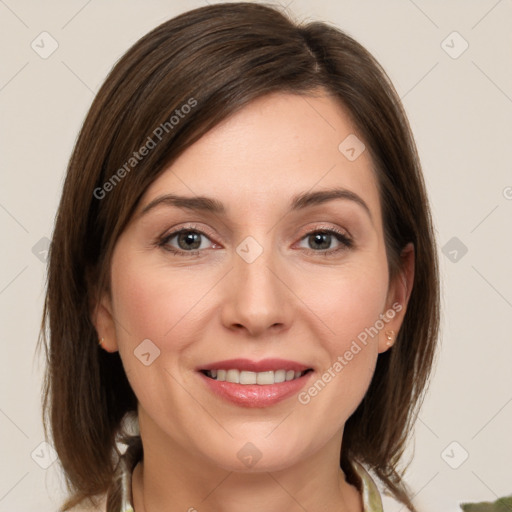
201 203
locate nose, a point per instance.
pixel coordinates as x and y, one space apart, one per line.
256 298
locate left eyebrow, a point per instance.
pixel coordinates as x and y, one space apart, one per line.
322 196
299 202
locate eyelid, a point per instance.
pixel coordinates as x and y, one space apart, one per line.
326 227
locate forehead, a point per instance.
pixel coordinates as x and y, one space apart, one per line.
274 148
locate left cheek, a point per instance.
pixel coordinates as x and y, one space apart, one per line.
354 308
354 305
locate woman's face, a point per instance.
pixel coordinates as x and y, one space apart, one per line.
279 271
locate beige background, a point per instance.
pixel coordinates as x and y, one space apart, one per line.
460 110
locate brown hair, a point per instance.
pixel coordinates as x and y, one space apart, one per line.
216 59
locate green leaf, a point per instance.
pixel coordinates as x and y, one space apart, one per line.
500 505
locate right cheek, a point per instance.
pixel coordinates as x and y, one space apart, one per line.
134 300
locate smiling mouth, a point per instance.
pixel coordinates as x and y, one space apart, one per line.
250 378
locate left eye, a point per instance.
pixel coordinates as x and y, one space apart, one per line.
320 240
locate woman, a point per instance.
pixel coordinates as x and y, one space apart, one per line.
244 228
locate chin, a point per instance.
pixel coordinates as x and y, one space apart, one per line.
256 454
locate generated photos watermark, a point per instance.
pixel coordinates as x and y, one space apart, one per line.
152 141
305 397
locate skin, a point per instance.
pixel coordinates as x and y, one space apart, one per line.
292 302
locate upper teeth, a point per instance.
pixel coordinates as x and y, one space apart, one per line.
245 377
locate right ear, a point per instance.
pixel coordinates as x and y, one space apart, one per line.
103 321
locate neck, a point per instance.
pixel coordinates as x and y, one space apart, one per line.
172 480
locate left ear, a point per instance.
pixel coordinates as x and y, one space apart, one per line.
399 291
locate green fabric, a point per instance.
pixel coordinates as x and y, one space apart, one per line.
371 496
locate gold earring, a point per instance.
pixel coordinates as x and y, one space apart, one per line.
389 336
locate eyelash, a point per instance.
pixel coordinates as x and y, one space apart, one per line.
346 242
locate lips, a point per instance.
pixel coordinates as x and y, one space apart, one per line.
255 395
